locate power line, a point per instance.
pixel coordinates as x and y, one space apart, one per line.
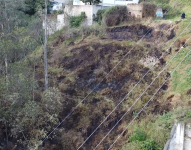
128 93
148 101
148 31
92 90
138 98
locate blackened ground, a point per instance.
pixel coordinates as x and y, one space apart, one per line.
84 70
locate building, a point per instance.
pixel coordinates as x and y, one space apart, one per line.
89 10
109 2
118 2
134 9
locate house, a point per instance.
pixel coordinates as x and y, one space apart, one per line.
109 2
118 2
133 8
90 10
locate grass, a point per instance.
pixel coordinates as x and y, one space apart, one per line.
54 70
181 78
157 127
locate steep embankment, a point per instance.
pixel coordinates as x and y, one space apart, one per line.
85 67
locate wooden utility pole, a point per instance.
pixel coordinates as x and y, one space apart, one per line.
45 48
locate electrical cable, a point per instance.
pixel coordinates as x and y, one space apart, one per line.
149 101
129 92
138 98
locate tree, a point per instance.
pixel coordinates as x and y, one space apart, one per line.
33 6
91 1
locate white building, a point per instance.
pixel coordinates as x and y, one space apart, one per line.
109 2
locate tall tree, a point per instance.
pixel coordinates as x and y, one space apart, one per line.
33 6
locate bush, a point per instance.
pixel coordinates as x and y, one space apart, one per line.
55 12
149 144
172 11
115 15
149 10
75 21
139 135
99 16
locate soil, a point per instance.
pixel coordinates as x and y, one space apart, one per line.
84 70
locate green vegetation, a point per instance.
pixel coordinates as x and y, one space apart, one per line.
149 144
32 7
115 15
174 7
99 16
79 56
75 21
92 1
139 135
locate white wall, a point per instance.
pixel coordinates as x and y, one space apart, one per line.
119 2
63 1
109 2
78 2
60 21
77 9
88 9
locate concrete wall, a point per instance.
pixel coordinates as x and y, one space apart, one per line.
54 25
60 21
78 2
109 2
135 10
90 10
124 2
77 9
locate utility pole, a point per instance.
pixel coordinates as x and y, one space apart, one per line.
45 48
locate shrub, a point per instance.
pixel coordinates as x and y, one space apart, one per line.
99 15
188 114
75 21
139 135
172 11
115 15
60 12
149 10
149 144
52 101
55 12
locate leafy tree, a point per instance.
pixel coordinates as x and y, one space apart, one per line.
92 1
52 101
32 6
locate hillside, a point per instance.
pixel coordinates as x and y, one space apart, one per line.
96 75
